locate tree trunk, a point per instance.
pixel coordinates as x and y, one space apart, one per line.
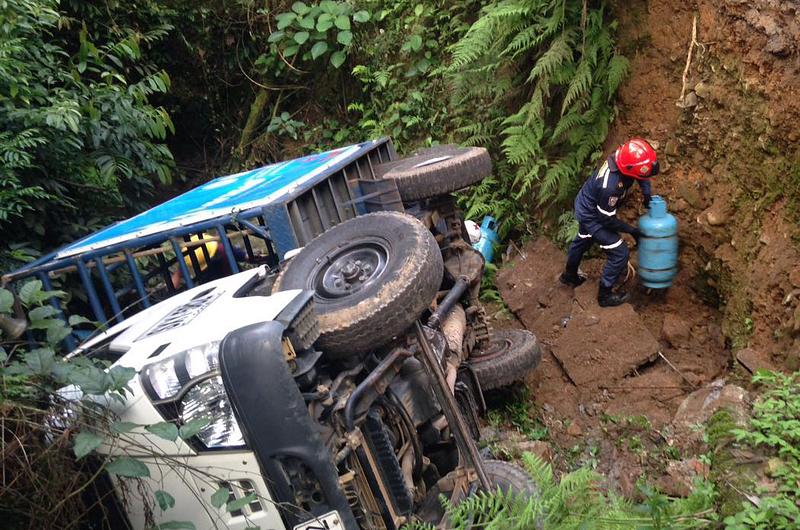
253 119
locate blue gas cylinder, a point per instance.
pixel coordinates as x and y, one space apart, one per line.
658 246
488 240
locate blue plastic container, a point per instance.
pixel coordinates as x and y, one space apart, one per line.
488 240
658 246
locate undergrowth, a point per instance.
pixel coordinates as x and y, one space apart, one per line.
775 427
576 501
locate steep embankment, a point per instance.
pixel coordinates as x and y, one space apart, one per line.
732 173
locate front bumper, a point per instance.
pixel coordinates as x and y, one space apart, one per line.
277 427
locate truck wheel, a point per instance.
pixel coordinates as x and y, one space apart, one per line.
372 276
437 171
508 357
510 477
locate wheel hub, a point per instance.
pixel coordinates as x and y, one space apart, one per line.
351 270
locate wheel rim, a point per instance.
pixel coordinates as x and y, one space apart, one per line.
350 270
497 347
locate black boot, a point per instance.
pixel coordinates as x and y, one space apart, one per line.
572 278
608 298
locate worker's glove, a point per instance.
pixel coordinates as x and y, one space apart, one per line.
636 233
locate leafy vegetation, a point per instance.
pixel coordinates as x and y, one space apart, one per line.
575 501
774 427
539 76
76 122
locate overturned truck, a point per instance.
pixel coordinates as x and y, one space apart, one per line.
338 384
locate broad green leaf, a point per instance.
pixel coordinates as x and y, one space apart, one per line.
344 38
337 58
285 20
121 427
307 22
361 16
77 320
176 525
220 497
238 504
165 500
126 466
291 50
343 22
27 293
300 8
41 360
6 301
301 37
41 313
58 332
275 36
191 428
85 443
120 376
328 6
318 49
418 9
165 430
324 22
416 42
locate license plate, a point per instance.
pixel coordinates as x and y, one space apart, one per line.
329 521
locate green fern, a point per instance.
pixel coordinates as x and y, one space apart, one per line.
544 77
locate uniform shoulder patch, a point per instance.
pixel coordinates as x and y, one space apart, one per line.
612 201
620 184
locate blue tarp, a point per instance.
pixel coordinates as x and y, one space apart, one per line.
221 196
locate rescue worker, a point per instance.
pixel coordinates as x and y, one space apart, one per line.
596 211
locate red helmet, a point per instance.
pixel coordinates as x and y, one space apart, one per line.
637 159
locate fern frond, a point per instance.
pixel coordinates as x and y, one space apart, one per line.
559 52
617 71
579 86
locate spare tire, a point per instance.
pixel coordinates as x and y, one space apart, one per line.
437 170
372 277
508 358
510 478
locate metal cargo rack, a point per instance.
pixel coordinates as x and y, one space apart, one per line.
125 267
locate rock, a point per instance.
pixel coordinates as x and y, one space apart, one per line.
574 429
794 276
702 89
753 360
680 474
671 148
490 434
699 406
548 408
675 330
779 46
679 206
717 214
689 100
690 194
539 448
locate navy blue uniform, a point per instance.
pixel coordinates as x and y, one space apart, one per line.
596 211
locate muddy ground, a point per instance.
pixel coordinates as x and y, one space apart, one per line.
612 380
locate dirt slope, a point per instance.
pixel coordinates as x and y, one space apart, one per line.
731 175
731 171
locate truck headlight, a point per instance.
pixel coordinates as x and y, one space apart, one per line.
187 386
